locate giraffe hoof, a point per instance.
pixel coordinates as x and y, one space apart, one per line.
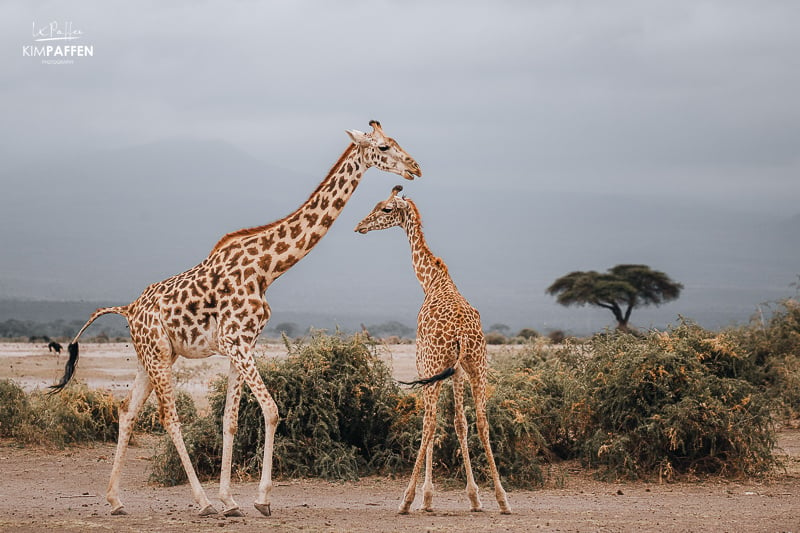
263 508
208 510
477 509
233 511
119 511
505 511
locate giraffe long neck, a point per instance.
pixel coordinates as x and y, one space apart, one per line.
430 270
276 247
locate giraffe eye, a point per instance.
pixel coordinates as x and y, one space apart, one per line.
387 209
383 148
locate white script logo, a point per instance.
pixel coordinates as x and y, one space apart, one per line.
56 53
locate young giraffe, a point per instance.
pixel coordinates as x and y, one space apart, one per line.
218 307
450 342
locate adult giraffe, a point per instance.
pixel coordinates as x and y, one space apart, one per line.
219 307
450 342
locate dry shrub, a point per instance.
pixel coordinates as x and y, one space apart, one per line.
664 404
528 333
495 338
77 414
774 347
557 336
674 403
14 408
337 403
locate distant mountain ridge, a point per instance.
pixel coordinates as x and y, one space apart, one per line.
101 226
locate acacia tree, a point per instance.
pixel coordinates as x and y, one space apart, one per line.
620 290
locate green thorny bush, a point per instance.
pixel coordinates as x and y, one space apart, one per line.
338 406
76 414
672 403
665 403
773 348
15 409
342 415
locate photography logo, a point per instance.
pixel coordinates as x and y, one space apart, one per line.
57 43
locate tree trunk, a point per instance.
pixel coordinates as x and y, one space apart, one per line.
622 321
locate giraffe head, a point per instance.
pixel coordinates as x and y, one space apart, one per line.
384 153
386 214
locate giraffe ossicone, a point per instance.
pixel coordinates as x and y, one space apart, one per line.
219 307
450 342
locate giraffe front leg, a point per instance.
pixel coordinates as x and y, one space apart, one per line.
127 416
230 423
243 360
460 423
265 485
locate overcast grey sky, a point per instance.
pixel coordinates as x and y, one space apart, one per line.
598 95
692 100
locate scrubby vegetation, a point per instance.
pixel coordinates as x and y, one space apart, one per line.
14 408
657 405
77 414
338 406
671 403
772 351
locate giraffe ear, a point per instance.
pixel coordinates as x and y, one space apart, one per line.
358 137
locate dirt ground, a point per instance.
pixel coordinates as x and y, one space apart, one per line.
64 490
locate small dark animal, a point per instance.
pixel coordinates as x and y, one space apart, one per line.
54 347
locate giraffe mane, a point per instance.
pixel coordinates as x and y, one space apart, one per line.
246 232
436 260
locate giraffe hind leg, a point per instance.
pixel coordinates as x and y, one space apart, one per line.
127 416
230 421
460 423
157 358
479 393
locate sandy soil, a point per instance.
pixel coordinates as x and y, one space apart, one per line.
64 490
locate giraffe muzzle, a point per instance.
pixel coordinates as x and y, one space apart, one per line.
411 174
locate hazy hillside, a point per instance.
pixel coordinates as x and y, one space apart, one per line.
102 226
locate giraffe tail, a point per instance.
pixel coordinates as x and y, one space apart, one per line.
72 362
444 374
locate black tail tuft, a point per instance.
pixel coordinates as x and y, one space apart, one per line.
446 373
69 370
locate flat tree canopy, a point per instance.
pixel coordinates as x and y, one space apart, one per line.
620 290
